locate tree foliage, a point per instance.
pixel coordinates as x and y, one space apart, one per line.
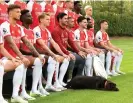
118 13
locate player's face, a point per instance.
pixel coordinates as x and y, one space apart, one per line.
71 23
64 20
105 25
89 25
28 18
84 23
78 7
46 21
70 4
89 11
2 0
15 14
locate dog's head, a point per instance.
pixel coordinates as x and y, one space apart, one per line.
110 86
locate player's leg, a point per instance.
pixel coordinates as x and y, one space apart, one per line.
88 65
102 57
50 72
79 64
108 63
17 79
40 86
2 100
114 60
23 92
63 69
118 63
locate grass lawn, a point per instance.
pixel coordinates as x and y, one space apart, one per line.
124 82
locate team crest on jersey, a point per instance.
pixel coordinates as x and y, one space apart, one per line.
37 35
4 31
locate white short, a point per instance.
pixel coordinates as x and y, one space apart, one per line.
4 60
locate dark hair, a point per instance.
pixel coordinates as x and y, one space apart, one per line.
76 2
60 16
80 19
23 12
42 16
102 21
12 7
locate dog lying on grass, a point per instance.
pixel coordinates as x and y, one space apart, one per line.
96 82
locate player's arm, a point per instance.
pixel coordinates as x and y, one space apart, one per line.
45 48
57 39
30 46
77 43
4 52
112 46
13 46
56 47
106 46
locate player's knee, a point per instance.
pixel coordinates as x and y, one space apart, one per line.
89 56
66 61
51 60
1 70
37 61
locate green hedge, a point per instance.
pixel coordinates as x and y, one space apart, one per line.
118 14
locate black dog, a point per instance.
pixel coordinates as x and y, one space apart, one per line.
96 82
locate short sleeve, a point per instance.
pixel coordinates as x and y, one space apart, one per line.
65 11
37 33
5 29
55 8
107 37
98 37
22 31
86 35
43 4
77 35
30 5
49 34
1 39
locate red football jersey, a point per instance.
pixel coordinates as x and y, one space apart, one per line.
21 4
1 42
81 36
48 8
101 37
90 37
16 31
39 33
60 36
58 10
30 35
36 10
3 12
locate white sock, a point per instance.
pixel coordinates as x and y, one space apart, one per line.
57 73
63 70
102 57
24 82
1 80
108 61
114 62
40 82
37 73
17 79
118 63
50 70
88 65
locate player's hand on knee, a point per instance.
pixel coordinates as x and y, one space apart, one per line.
42 59
72 56
66 56
25 61
16 61
82 54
